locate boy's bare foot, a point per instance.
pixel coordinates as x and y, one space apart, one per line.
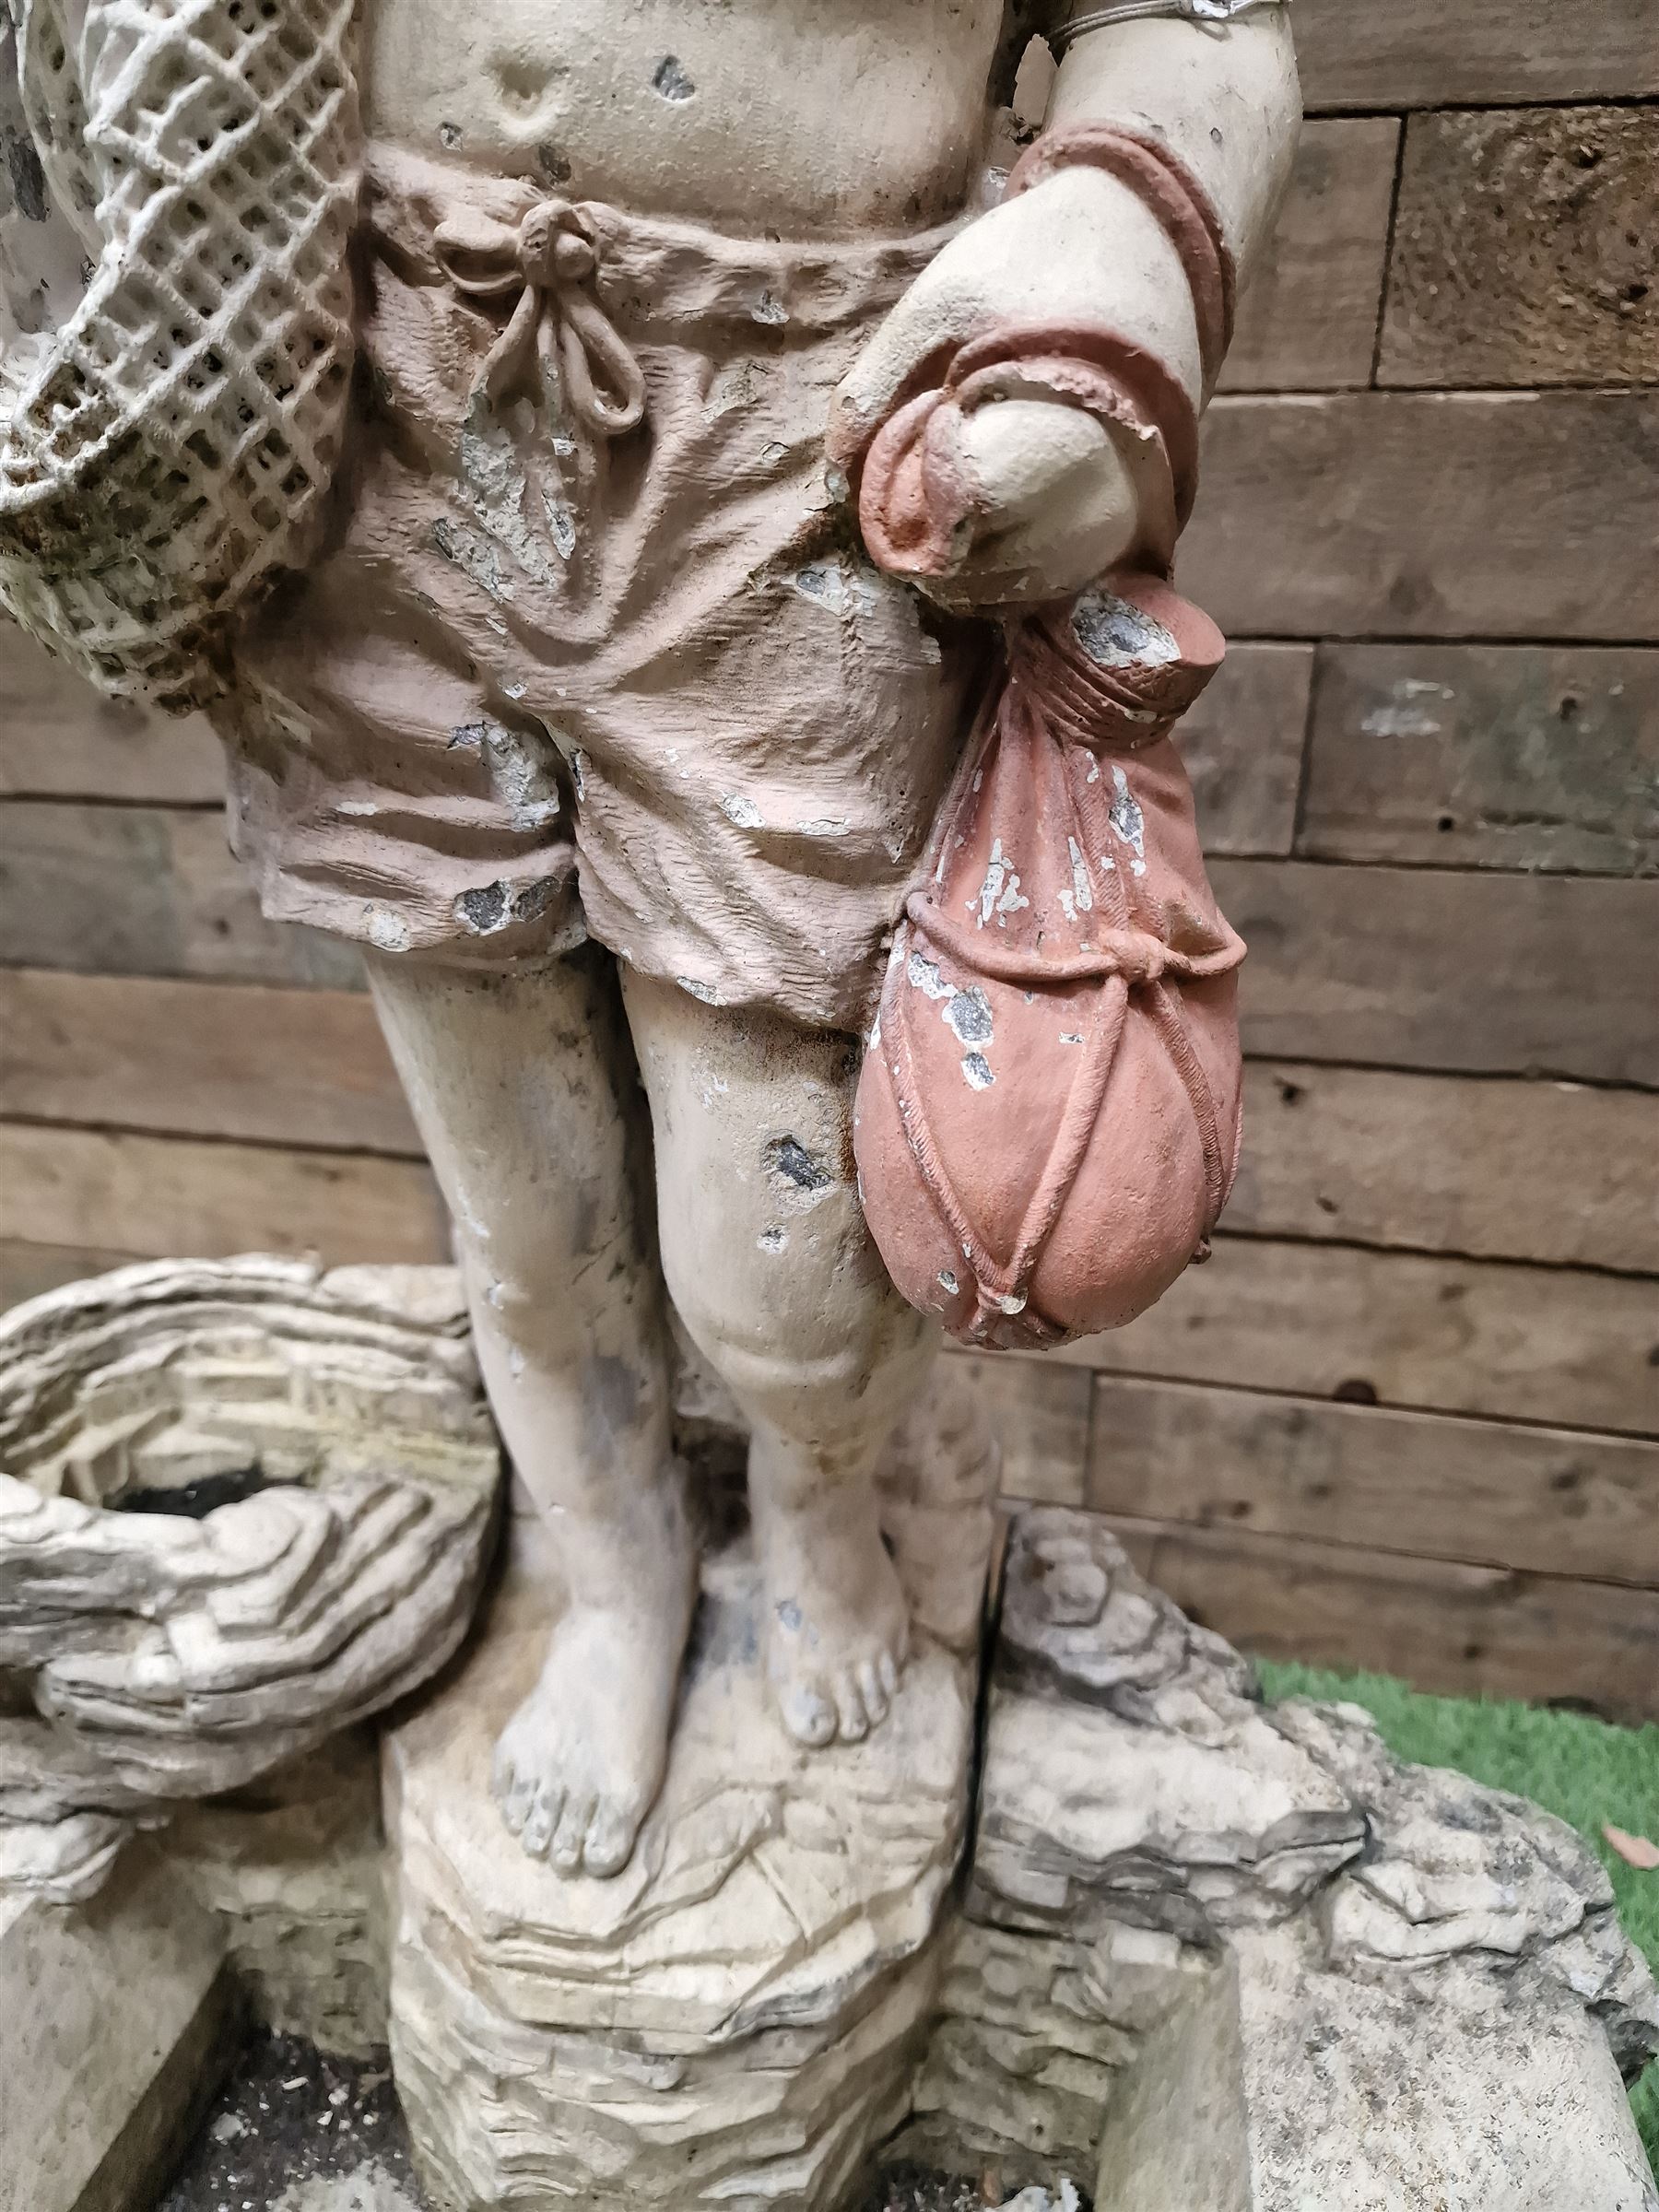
579 1765
837 1626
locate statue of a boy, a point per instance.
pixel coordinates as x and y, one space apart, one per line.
597 725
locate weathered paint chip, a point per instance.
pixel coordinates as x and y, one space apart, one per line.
786 1156
671 80
484 909
967 1016
1115 634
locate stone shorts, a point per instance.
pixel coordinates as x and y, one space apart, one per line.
556 678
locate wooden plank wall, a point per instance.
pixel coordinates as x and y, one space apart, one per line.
1408 1415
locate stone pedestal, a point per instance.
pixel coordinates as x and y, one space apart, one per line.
116 2026
736 2018
1211 1955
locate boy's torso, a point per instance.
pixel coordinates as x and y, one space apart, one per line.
791 116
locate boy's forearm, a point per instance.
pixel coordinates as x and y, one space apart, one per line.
1223 97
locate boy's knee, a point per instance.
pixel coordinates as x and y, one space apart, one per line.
828 1350
541 1262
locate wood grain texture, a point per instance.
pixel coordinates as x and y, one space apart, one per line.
1523 250
157 1197
1412 53
1515 1170
290 1067
144 891
61 739
1399 515
1486 757
1308 319
1398 1328
1494 1494
1040 1415
1242 746
26 1270
1469 973
1483 1631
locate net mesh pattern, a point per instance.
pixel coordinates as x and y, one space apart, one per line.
176 442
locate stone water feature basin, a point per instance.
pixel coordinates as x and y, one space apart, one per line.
243 1504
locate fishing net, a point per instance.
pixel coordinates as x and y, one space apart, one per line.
176 442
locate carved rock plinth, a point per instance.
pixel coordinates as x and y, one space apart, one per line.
152 1656
1241 1956
736 2018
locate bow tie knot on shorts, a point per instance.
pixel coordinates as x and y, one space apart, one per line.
597 649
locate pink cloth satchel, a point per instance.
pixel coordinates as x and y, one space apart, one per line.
1048 1116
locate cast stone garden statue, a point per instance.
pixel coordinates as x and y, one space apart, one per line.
656 512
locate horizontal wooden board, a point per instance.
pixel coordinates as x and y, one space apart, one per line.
1308 319
1469 1631
1486 757
237 1060
159 1197
1398 1328
1524 248
1473 973
1494 1494
61 739
1242 746
144 890
1423 53
1399 515
1547 1172
1041 1416
26 1270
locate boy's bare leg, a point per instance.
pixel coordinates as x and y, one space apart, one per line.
771 1268
520 1087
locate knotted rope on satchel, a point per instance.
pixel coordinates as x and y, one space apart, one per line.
1055 1178
546 263
177 440
1048 1115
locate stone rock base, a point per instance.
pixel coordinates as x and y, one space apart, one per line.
733 2020
1209 1955
1221 1955
736 2018
1283 2087
294 1865
116 2026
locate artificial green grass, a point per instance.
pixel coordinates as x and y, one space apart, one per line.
1585 1770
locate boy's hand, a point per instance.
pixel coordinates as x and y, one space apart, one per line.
1055 501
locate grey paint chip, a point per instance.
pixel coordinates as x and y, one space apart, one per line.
671 81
